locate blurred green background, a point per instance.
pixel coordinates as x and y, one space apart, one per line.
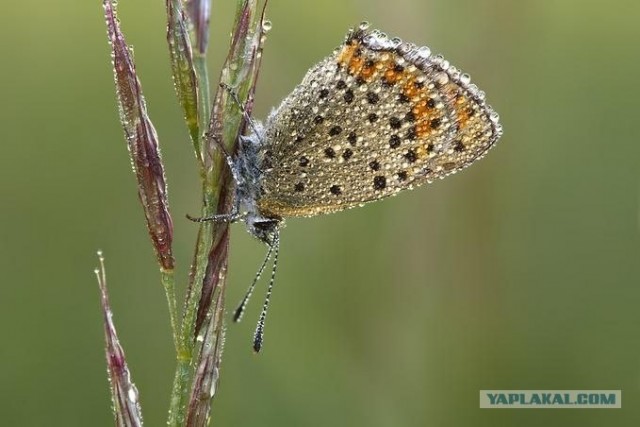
519 273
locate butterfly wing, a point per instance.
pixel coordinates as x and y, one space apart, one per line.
377 117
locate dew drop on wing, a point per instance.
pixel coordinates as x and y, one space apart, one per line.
424 52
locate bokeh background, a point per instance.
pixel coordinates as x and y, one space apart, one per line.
522 272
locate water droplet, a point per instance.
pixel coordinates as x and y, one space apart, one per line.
364 25
441 78
405 48
424 52
465 78
266 26
215 376
132 394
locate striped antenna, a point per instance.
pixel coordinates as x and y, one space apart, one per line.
259 335
237 316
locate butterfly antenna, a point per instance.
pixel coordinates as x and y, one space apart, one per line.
237 316
259 335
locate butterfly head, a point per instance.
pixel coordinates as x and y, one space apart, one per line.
263 228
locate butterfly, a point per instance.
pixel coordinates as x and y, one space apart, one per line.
377 117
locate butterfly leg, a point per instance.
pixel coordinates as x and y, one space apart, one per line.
228 157
230 217
242 107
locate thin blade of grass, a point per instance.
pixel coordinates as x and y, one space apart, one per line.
240 73
142 142
207 374
185 79
199 12
144 151
124 394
